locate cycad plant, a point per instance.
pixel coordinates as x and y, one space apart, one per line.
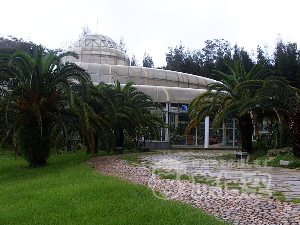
276 94
35 92
223 100
93 110
129 110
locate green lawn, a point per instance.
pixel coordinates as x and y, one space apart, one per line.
276 161
69 192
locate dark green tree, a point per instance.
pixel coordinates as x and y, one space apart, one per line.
36 91
242 55
12 44
224 99
130 112
175 58
134 61
147 61
287 62
277 95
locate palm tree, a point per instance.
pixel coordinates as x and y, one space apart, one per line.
223 100
36 91
93 124
276 94
121 113
130 111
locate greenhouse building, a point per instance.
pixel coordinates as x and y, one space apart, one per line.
100 56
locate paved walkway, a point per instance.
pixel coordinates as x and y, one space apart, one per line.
227 204
255 177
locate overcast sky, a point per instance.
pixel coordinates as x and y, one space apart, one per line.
153 25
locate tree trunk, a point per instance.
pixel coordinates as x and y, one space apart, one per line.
35 147
120 140
246 132
90 142
294 125
96 144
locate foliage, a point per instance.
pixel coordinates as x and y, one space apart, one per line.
276 94
147 61
239 54
128 142
93 125
286 61
261 147
276 162
204 61
133 159
36 93
12 45
61 107
35 147
279 195
129 111
224 99
134 61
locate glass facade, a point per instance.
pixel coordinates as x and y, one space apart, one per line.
178 120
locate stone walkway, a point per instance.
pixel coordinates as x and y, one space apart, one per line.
255 177
227 204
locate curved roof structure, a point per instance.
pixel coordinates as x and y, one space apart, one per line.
98 49
96 40
99 56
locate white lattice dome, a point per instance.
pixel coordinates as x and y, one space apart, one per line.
96 40
98 49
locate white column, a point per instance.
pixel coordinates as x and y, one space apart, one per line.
224 134
233 133
196 141
206 133
167 137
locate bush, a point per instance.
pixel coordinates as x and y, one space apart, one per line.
128 142
261 147
276 162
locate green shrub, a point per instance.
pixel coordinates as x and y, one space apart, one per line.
261 147
276 162
294 165
128 142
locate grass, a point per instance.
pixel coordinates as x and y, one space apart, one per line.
296 200
287 157
69 192
228 156
133 150
172 175
279 195
132 159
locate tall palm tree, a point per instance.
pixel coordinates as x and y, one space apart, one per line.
36 90
223 100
